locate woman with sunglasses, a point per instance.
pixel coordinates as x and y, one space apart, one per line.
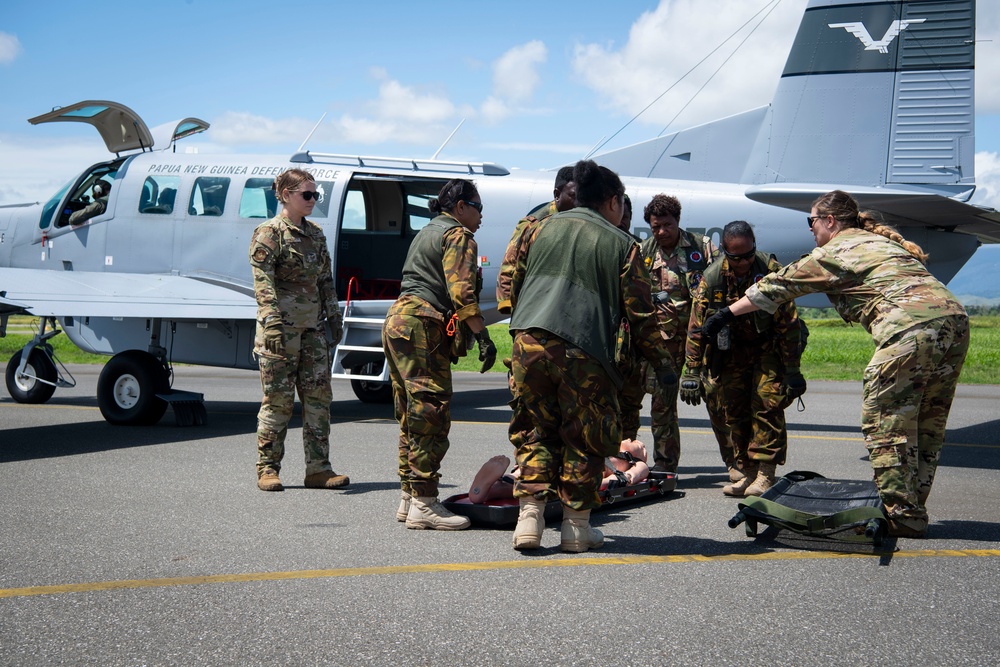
296 306
748 380
877 278
423 333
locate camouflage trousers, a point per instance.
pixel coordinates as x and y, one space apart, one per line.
572 403
663 411
909 386
305 367
746 405
417 350
630 398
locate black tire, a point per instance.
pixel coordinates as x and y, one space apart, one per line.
30 390
369 391
127 388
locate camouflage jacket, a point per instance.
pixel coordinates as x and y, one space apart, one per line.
524 228
677 274
869 278
758 329
292 277
460 270
635 303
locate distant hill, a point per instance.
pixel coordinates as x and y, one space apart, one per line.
978 283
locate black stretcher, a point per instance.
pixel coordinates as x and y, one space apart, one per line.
502 513
810 504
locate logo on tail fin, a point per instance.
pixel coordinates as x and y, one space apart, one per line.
859 30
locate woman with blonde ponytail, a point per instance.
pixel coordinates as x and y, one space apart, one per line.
875 277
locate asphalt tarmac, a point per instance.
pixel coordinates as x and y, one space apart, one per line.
152 546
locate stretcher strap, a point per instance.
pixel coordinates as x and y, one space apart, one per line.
812 522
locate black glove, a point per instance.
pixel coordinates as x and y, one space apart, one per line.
666 378
487 350
691 389
714 324
795 384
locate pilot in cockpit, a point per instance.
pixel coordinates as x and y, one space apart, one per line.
101 190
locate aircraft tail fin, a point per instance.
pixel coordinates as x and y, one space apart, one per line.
873 93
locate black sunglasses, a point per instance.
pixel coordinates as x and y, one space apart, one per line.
474 204
307 195
743 255
810 219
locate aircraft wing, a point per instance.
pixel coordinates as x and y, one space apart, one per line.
899 206
43 292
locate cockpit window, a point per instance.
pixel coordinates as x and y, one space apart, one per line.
158 194
50 206
208 197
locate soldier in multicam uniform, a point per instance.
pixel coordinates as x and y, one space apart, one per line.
576 278
296 305
423 332
748 385
676 260
876 277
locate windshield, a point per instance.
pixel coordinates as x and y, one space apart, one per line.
50 205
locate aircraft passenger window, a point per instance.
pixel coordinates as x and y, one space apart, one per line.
158 194
258 200
355 215
208 196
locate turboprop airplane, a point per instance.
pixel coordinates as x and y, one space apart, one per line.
161 275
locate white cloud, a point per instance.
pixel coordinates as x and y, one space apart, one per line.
987 180
10 48
407 104
34 171
515 75
515 79
242 128
666 43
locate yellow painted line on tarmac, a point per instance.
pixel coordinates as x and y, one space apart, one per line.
433 568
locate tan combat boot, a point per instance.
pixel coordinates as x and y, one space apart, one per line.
738 488
268 480
326 479
428 512
404 507
764 481
577 535
530 524
736 474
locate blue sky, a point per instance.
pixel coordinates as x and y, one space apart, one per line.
538 84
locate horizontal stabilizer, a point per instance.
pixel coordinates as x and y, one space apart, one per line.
899 206
42 292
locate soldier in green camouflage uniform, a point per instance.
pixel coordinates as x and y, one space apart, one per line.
631 367
877 278
576 278
744 386
296 302
676 260
564 193
439 299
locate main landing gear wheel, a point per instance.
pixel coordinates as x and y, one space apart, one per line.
370 391
28 388
127 388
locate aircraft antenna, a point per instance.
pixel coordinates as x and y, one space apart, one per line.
773 3
438 151
309 136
